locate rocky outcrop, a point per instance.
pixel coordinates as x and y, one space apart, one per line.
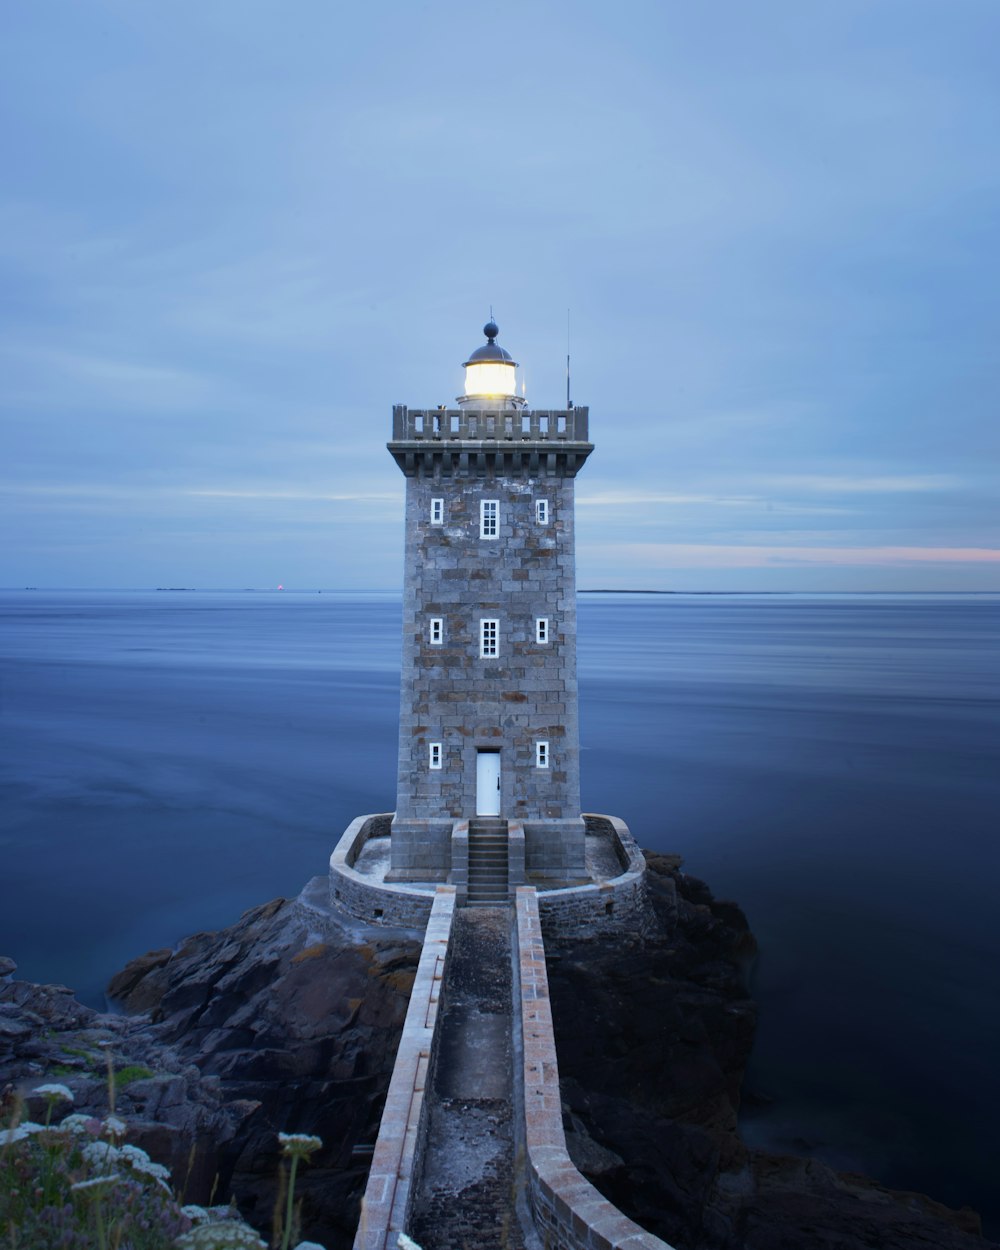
289 1020
653 1038
175 1113
285 1021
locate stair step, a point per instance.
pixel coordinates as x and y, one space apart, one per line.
488 863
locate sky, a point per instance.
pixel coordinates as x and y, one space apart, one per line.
235 234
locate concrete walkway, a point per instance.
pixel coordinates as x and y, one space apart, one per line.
466 1196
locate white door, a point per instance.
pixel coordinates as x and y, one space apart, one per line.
487 783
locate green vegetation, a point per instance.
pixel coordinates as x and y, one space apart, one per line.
76 1183
134 1072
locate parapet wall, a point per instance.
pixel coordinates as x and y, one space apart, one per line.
371 898
613 907
618 905
399 1149
568 1212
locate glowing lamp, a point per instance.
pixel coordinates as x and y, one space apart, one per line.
490 380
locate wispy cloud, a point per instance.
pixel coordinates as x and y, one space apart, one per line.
40 374
221 492
846 484
115 492
653 499
710 556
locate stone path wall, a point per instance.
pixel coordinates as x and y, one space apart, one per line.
568 1211
385 1208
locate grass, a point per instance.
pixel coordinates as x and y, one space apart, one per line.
76 1183
133 1072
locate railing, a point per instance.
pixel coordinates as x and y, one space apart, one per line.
537 425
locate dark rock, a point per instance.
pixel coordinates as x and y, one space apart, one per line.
294 1019
289 1021
653 1038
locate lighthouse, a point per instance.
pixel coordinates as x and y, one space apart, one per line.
488 726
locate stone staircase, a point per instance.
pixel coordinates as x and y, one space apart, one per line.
488 869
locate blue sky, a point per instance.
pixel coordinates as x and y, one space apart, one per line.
236 234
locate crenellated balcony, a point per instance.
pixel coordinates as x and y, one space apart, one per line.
467 442
470 425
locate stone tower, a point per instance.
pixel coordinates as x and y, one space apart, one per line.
488 723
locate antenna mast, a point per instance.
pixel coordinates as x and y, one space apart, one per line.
569 402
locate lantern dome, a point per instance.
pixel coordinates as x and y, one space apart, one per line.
490 375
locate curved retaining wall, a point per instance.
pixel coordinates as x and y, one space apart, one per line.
370 898
568 1212
613 907
618 905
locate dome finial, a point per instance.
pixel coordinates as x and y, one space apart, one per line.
491 329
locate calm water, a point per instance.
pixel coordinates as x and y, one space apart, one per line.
832 762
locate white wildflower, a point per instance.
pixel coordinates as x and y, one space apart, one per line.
27 1128
101 1155
77 1123
54 1093
133 1155
299 1144
114 1126
143 1165
309 1245
195 1213
226 1235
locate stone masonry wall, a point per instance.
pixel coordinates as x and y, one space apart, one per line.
598 911
568 1212
388 1197
451 695
366 897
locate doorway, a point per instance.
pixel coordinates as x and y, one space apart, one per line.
487 783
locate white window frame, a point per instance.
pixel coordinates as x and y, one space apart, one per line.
541 512
541 630
489 518
541 754
437 512
489 637
436 634
434 755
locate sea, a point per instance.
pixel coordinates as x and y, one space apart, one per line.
831 762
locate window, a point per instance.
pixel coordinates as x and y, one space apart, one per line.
489 640
541 629
437 512
542 511
541 755
435 755
489 517
437 631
